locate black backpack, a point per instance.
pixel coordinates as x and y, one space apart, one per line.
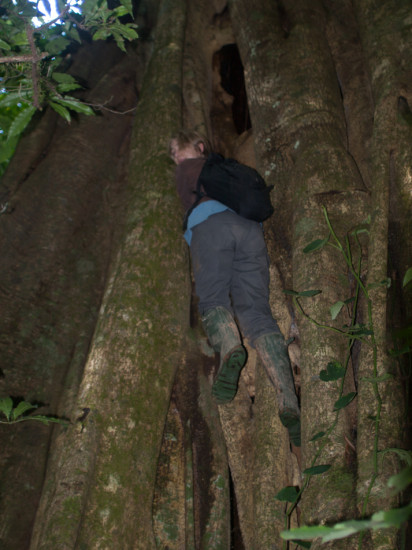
236 185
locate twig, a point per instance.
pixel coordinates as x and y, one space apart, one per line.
49 23
30 38
102 107
351 445
24 58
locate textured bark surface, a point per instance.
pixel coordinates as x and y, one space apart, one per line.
308 122
56 245
384 39
99 319
126 388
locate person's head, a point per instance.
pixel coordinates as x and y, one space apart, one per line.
188 144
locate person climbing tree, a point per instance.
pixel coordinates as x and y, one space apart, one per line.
231 271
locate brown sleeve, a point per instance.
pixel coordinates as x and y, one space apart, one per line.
187 174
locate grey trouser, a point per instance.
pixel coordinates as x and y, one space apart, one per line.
231 269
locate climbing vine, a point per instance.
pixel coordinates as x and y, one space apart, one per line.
336 371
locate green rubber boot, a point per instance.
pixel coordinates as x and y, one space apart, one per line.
224 337
274 355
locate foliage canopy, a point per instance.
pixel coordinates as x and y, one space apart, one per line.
35 58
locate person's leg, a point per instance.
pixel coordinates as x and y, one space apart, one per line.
275 358
250 294
212 251
224 337
250 281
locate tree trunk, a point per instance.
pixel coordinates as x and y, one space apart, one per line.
379 374
56 245
126 388
100 320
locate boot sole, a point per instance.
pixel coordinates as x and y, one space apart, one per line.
224 387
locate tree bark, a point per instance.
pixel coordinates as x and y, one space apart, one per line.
379 376
56 245
313 156
98 300
125 387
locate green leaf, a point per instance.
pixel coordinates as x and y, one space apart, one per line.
57 45
315 245
21 408
338 531
7 149
74 34
316 470
360 229
403 454
334 371
335 309
309 293
14 98
62 111
120 11
48 419
304 533
62 88
128 32
408 277
344 401
383 519
21 121
101 34
63 78
359 330
287 494
119 40
6 406
61 4
402 480
29 11
392 518
386 283
304 293
401 351
317 436
128 5
4 45
21 40
75 105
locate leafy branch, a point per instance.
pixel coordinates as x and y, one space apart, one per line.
380 520
33 59
14 414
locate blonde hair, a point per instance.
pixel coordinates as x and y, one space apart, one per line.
183 138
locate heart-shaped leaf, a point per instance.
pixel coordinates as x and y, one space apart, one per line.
287 494
344 401
333 371
315 245
316 470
